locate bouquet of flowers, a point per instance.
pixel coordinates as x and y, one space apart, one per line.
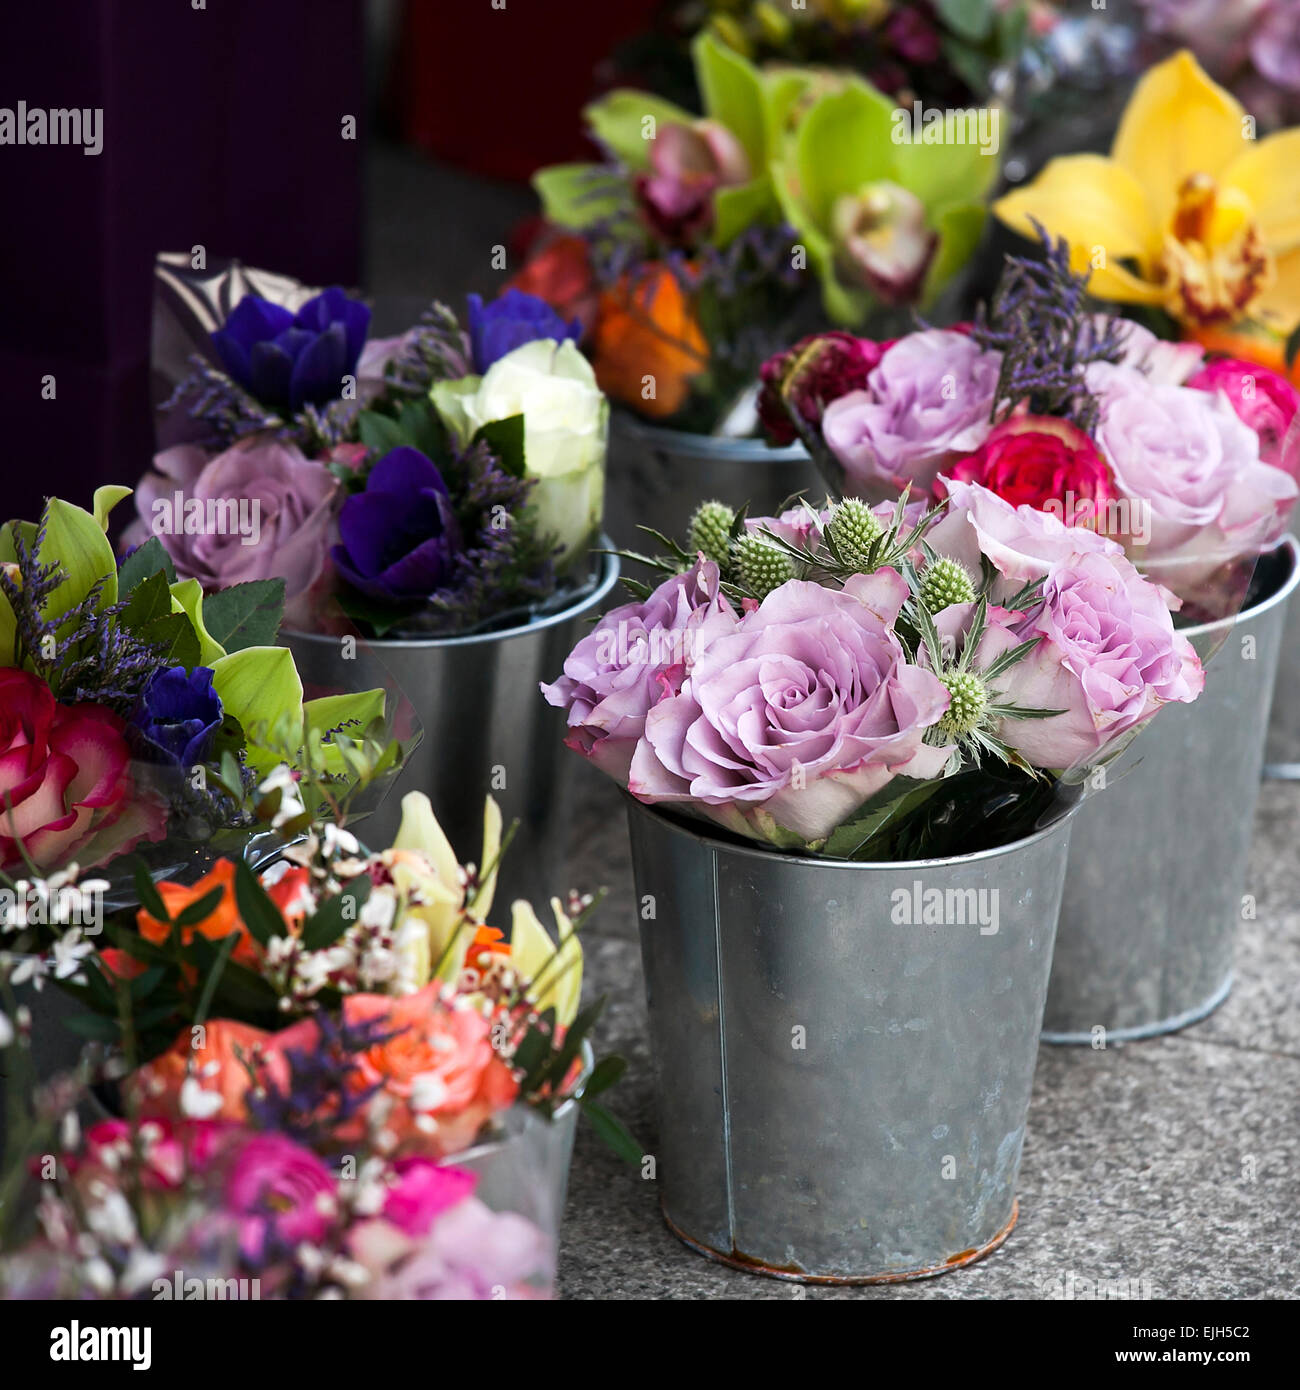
1196 234
441 482
136 707
297 1053
1189 464
687 249
877 683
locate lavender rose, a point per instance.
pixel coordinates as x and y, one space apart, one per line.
927 402
1107 655
635 656
1201 494
261 510
787 724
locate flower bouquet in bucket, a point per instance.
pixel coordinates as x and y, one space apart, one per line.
1044 409
699 244
851 737
339 1077
431 502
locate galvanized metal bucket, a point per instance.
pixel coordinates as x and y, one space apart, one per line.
842 1080
657 477
1282 750
486 729
1158 858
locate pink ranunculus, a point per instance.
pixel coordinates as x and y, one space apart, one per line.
66 789
1107 655
1262 399
1045 463
277 1190
1200 495
422 1190
281 503
815 371
926 404
1022 543
635 656
796 717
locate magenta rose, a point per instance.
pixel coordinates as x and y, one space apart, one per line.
1262 399
635 656
789 722
926 404
66 789
1107 655
1045 463
1022 543
810 375
1199 494
265 511
278 1192
422 1190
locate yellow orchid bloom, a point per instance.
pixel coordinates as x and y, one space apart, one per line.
1208 216
531 952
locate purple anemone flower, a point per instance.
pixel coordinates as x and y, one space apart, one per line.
511 320
289 360
399 537
179 714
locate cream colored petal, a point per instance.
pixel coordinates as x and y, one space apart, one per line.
420 830
490 863
1279 306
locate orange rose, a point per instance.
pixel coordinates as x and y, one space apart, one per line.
648 328
219 923
291 893
216 1067
559 271
439 1066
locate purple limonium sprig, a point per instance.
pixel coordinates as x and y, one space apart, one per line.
1041 322
437 349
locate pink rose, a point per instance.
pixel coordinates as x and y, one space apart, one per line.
926 404
1107 655
278 1191
264 512
66 789
795 716
1160 361
422 1190
635 656
1261 399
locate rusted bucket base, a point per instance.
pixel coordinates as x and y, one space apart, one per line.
1149 1030
751 1266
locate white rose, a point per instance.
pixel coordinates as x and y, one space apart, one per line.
566 419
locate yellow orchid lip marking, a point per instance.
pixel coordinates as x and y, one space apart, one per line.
1215 264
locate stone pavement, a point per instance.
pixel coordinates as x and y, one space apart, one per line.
1136 1157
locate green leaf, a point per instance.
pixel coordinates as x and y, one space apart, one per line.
606 1073
215 972
259 914
572 195
972 19
200 910
335 915
852 839
612 1132
150 599
618 121
245 615
144 985
147 892
380 432
423 428
94 1026
733 94
380 617
148 559
1292 347
506 440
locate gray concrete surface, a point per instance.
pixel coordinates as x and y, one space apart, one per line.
1138 1161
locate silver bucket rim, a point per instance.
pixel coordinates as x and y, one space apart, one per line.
609 576
1288 543
691 444
816 861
